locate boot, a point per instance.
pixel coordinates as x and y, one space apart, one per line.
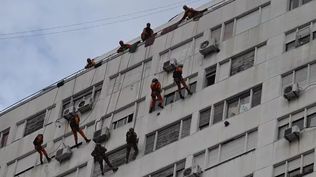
48 159
151 110
88 140
189 92
181 96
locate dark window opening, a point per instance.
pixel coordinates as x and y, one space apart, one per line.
210 76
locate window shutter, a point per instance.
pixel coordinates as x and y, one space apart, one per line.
168 135
150 141
204 118
186 125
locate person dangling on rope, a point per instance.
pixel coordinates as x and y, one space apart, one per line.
190 13
90 63
123 47
178 79
99 155
155 95
131 140
147 32
38 141
74 123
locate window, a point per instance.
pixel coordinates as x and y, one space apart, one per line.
218 112
204 120
227 150
242 62
167 135
298 166
242 103
4 137
296 3
299 36
305 75
117 157
247 21
297 118
210 75
90 92
123 121
34 123
169 170
216 33
174 96
228 30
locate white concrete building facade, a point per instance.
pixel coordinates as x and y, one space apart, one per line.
249 95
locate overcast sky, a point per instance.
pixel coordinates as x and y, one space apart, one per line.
36 51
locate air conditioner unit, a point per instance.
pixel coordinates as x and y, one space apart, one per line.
194 171
67 113
290 92
168 66
63 154
209 47
101 135
292 133
85 104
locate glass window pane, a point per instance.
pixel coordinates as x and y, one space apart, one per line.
212 156
290 45
198 159
256 96
287 80
193 87
282 130
299 123
232 148
301 77
279 170
204 118
308 169
210 75
308 159
312 73
218 113
294 173
248 21
252 140
306 1
293 4
294 164
216 33
169 98
150 141
232 109
311 120
186 125
4 138
265 13
228 30
244 103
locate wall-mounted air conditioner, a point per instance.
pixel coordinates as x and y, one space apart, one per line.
67 113
101 135
85 104
194 171
208 47
168 66
63 154
291 92
292 134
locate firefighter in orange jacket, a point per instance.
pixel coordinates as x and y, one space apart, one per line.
155 94
178 79
38 141
190 13
74 125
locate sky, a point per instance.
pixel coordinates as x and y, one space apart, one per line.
42 42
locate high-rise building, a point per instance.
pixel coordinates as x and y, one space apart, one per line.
251 65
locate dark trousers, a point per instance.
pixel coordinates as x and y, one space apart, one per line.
128 150
105 158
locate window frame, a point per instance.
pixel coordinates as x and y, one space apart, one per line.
4 142
156 132
126 119
210 72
